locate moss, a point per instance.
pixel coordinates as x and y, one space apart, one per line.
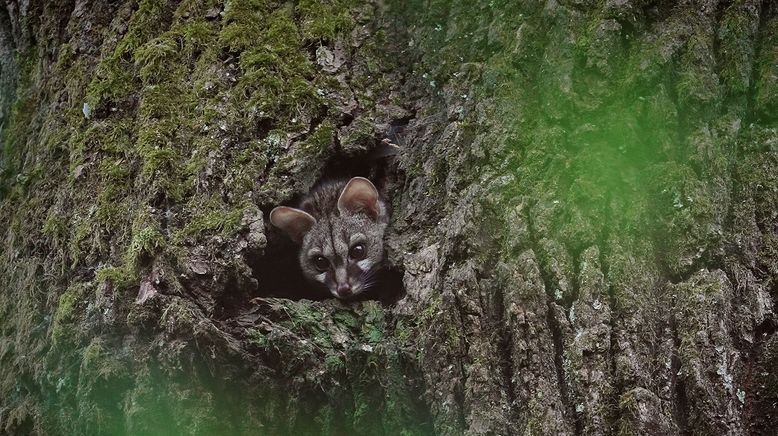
195 9
109 137
346 318
685 216
114 77
113 81
145 243
167 105
306 317
359 136
118 277
334 363
82 229
274 63
99 364
64 325
322 20
213 218
154 58
18 130
55 225
259 339
320 140
766 98
114 176
164 102
66 56
361 409
698 84
160 168
736 32
373 328
243 23
588 37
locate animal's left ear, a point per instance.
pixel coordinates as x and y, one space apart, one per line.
359 195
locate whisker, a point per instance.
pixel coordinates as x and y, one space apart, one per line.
370 278
368 275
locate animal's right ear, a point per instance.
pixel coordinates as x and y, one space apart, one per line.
294 222
359 195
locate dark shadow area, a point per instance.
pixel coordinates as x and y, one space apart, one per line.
278 271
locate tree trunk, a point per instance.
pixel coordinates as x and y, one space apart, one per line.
584 231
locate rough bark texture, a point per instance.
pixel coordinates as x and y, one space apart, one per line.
585 216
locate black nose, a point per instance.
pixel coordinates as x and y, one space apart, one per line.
344 290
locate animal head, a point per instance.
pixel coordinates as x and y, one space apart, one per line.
341 235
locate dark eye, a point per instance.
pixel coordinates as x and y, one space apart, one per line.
321 263
357 252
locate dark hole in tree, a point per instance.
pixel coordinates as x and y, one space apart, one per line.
278 271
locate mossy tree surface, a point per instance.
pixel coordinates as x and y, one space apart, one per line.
585 214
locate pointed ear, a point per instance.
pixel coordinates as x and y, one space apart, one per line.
359 195
294 222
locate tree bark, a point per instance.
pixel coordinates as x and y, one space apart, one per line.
584 229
